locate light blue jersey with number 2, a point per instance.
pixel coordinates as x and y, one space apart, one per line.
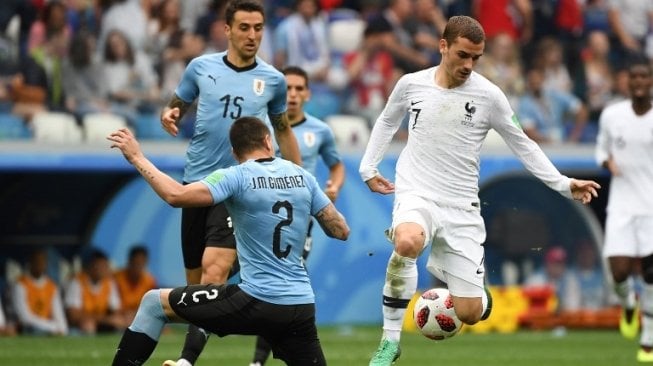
224 93
270 202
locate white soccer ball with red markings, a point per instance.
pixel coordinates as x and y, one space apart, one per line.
434 314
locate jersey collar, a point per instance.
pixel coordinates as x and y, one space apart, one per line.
265 160
236 68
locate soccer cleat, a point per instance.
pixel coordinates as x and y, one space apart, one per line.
644 356
629 323
180 362
387 353
488 310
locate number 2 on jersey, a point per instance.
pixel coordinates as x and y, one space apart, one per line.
276 238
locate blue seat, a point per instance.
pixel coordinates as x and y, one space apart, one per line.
12 127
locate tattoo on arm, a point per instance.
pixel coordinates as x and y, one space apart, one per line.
177 102
332 222
279 121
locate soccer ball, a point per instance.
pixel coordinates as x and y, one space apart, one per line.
434 314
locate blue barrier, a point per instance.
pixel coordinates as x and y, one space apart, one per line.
347 277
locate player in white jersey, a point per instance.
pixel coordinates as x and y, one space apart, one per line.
451 109
625 147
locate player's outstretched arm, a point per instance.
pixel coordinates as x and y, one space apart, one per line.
380 185
332 222
285 138
584 190
174 193
172 113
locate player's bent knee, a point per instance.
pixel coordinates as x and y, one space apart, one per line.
409 244
469 311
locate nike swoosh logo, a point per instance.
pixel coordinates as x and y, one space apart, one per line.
479 271
413 103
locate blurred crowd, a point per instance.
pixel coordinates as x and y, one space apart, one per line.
40 298
559 61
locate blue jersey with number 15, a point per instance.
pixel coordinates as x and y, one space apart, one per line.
224 93
270 202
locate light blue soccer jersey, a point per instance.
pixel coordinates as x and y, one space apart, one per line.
270 202
224 93
315 138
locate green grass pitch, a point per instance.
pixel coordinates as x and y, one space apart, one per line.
349 347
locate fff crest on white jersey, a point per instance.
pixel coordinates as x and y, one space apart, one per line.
309 139
258 86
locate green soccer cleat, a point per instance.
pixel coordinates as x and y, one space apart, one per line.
629 323
387 353
644 356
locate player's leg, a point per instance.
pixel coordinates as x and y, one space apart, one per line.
621 251
141 337
295 340
457 258
262 347
410 234
644 227
207 237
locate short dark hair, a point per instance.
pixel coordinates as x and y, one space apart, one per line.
639 60
296 70
137 250
465 27
249 6
247 134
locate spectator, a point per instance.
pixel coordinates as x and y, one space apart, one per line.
430 22
37 299
129 77
83 84
502 65
550 58
595 78
630 22
402 46
590 276
371 72
6 328
555 273
128 17
170 46
91 299
52 24
134 281
512 17
543 112
301 40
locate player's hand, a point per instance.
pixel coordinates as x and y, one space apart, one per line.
331 190
380 185
584 190
169 119
124 140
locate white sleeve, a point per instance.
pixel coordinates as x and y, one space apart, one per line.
73 295
25 315
3 321
385 127
505 122
58 314
602 150
114 297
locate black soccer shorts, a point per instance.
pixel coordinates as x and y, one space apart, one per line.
226 309
204 227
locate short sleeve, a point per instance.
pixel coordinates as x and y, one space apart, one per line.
187 89
222 183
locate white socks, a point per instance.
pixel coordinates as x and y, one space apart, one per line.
400 286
